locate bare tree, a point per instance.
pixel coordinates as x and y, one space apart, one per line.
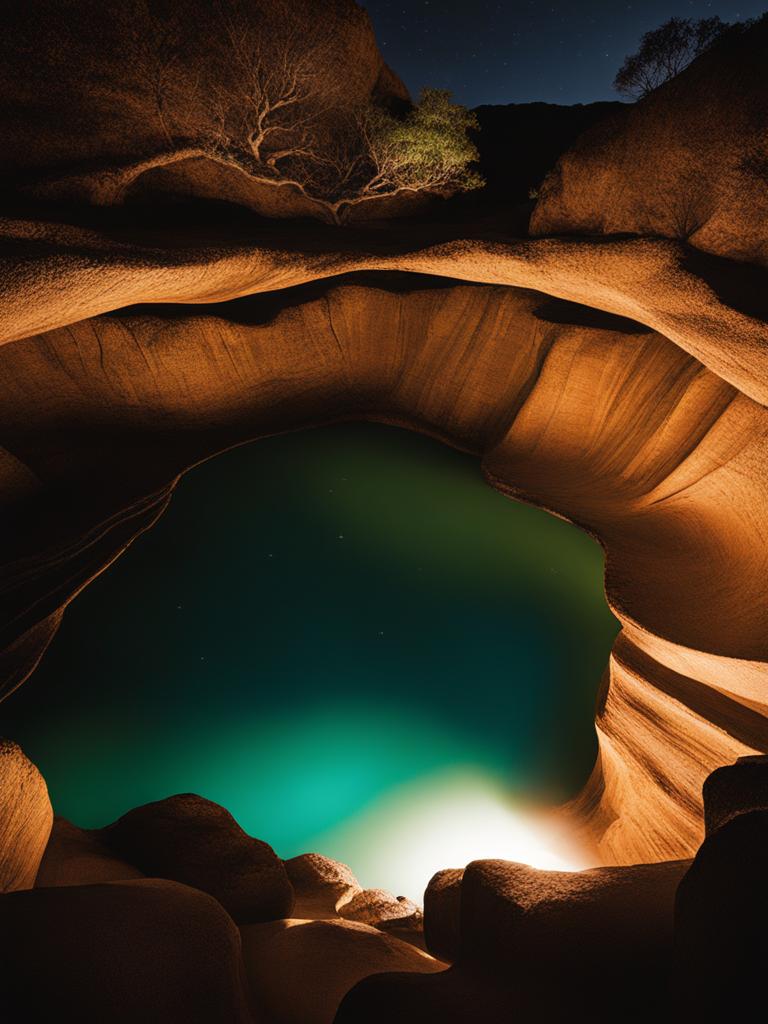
665 52
268 104
262 103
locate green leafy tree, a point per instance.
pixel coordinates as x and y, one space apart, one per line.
665 52
377 154
427 151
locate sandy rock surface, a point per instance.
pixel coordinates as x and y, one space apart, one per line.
321 885
735 789
378 908
75 856
195 841
720 913
537 945
596 418
442 914
299 971
690 161
25 818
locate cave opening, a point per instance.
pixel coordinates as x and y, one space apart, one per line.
349 640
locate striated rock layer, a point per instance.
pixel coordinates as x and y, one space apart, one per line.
595 417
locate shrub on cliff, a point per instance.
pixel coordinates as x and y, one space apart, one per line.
665 52
267 109
428 151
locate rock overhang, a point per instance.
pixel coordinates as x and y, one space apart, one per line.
614 427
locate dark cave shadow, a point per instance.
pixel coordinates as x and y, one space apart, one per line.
741 286
262 307
562 311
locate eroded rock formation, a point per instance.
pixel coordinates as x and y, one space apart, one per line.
189 839
599 420
25 818
619 382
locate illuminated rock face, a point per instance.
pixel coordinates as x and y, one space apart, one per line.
597 419
689 161
653 438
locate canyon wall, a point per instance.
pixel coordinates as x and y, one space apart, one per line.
595 417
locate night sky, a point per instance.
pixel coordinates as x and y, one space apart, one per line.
517 52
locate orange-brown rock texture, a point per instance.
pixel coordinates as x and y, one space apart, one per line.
619 382
595 418
689 161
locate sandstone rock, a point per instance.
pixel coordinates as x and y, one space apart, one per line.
192 840
320 885
735 789
74 856
378 908
25 818
519 917
299 971
143 950
720 915
101 129
538 945
689 161
396 915
453 996
442 914
663 447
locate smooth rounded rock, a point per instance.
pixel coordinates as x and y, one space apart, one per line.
540 946
516 916
721 942
25 818
299 971
145 951
321 885
735 789
379 908
442 913
192 840
75 856
688 161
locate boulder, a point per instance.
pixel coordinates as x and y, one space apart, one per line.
192 840
538 945
378 908
453 996
320 885
75 856
689 161
735 789
25 818
142 950
442 913
519 917
299 971
721 943
394 914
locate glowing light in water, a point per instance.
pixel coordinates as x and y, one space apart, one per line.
442 821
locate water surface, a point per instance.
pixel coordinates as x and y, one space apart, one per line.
320 626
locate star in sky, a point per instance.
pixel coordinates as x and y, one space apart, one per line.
524 50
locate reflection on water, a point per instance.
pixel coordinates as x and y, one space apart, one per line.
324 629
